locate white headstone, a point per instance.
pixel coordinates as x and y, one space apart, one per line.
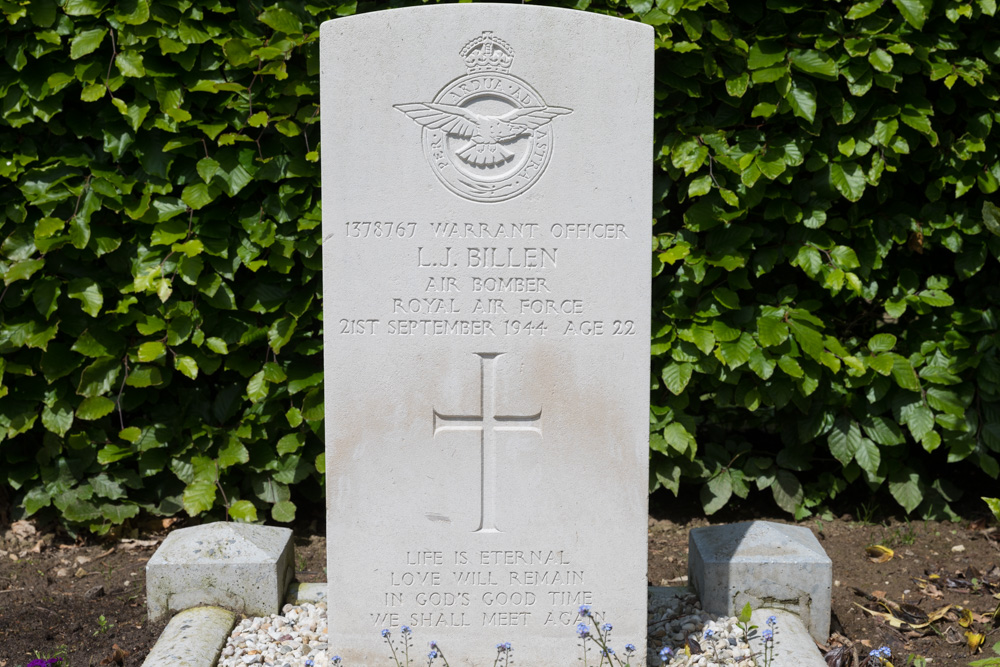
487 175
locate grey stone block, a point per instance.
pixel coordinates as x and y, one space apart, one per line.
792 645
193 638
770 565
239 566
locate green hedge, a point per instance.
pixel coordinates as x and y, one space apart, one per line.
826 289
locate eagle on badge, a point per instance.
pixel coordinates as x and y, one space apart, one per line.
486 134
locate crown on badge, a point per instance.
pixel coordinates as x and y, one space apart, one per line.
487 53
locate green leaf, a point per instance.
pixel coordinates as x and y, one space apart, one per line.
94 407
801 96
904 485
117 514
726 297
813 62
863 9
881 342
59 418
903 373
868 456
991 218
243 510
766 53
845 257
86 41
290 443
809 260
849 179
207 168
99 376
151 351
844 440
130 434
257 387
88 293
129 63
186 365
676 377
787 491
281 20
880 60
883 431
715 493
199 496
790 366
111 453
197 195
283 511
918 418
994 505
737 353
22 270
280 333
915 12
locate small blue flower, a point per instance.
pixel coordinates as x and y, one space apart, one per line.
310 663
630 648
772 620
886 652
386 633
434 645
405 630
585 610
708 633
874 653
582 629
608 651
503 647
606 627
666 652
335 660
768 634
432 655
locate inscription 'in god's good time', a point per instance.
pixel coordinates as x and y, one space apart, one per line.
497 580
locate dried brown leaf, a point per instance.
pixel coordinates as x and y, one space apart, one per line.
879 554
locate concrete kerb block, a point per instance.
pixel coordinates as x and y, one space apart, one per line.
239 566
770 565
792 646
193 638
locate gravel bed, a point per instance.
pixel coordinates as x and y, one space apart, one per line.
673 621
299 635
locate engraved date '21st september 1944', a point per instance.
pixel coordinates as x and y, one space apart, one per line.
506 283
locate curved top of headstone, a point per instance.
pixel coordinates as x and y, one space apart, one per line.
222 541
758 541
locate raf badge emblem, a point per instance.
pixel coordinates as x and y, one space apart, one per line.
487 135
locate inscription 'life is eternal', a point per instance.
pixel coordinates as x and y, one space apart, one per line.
503 281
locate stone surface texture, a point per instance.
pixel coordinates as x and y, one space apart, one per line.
793 645
192 638
770 565
239 566
486 273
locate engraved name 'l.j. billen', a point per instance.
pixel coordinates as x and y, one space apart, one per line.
486 135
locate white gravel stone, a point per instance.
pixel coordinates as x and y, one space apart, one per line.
300 634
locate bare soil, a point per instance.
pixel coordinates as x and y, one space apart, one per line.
54 591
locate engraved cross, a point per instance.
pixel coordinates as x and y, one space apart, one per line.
488 422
